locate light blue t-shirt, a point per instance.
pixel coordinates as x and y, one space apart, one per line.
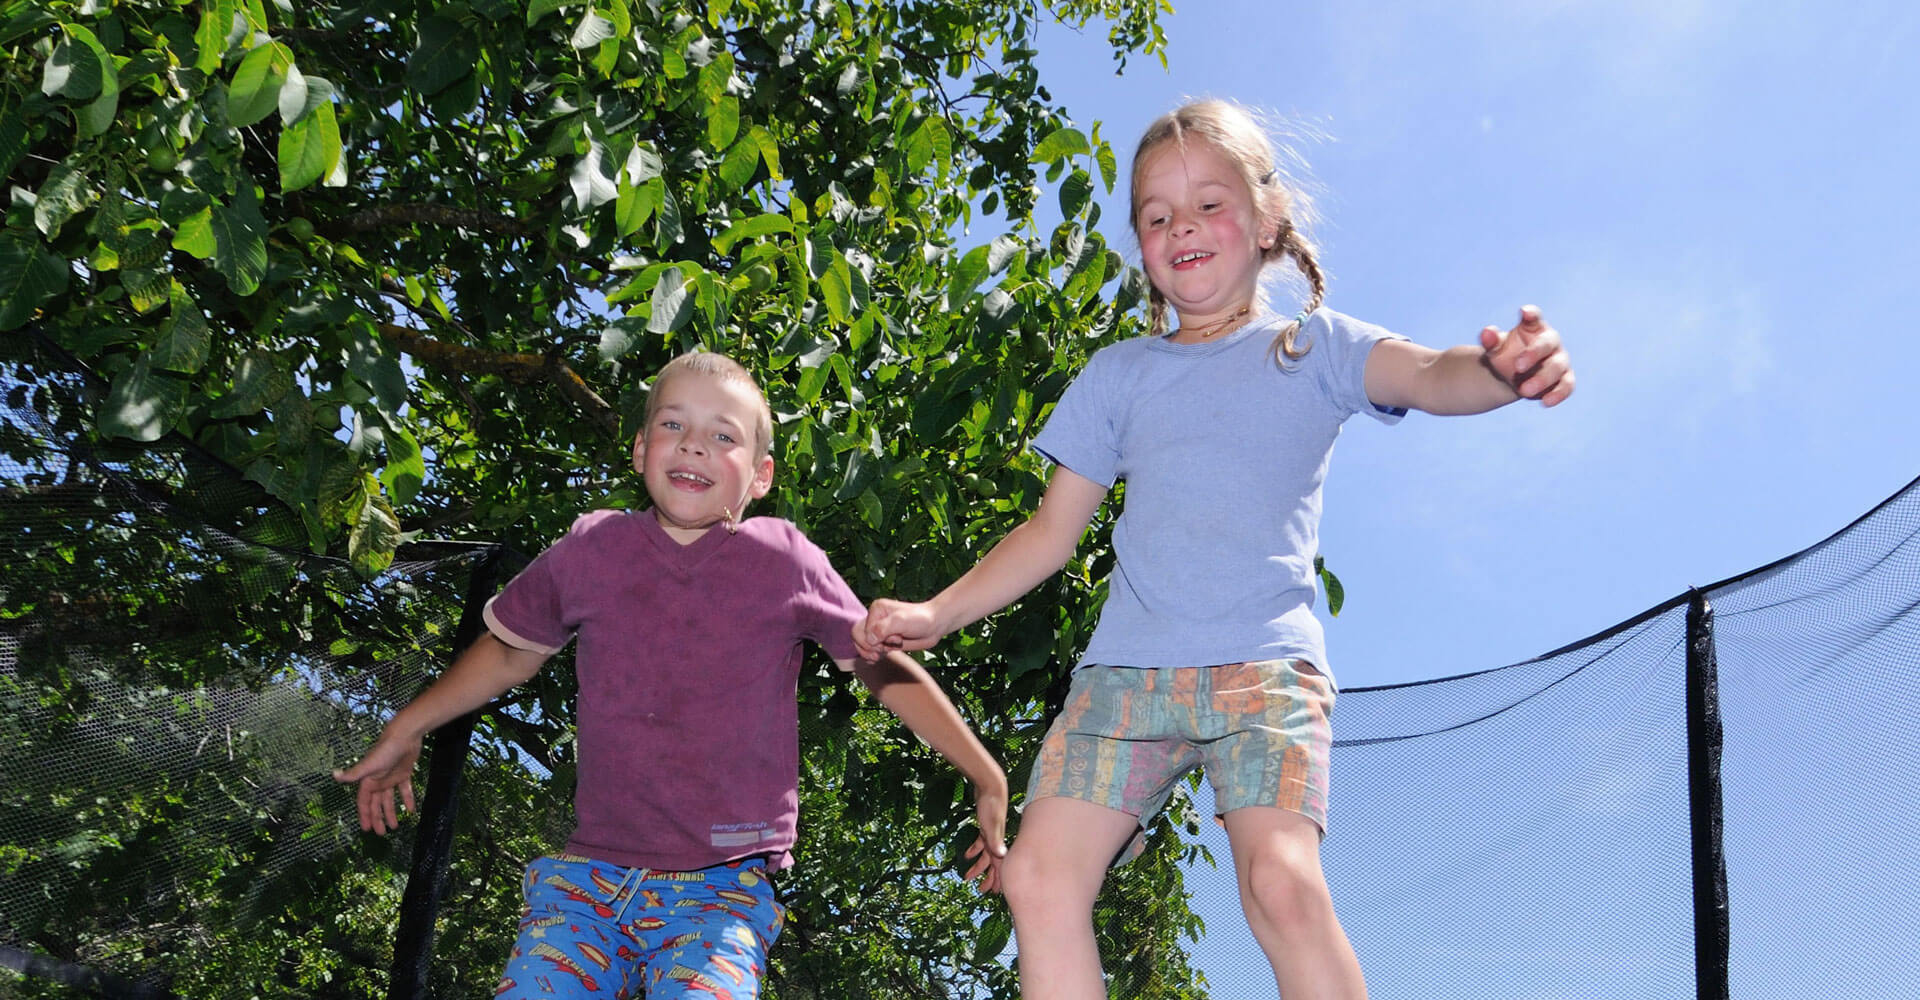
1223 453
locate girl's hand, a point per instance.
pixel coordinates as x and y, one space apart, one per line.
1529 358
896 625
990 849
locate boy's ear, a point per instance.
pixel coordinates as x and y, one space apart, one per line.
640 453
763 477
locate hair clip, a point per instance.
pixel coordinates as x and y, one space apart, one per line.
733 526
1268 177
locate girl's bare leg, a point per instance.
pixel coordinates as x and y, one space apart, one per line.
1052 873
1276 856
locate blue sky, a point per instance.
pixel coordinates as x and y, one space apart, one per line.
1715 202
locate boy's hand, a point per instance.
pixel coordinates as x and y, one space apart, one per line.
1529 358
896 625
990 848
385 768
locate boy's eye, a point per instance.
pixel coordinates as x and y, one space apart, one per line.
728 438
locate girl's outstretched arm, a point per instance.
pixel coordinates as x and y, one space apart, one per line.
1029 554
909 692
1524 362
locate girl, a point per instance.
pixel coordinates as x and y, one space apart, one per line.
1207 653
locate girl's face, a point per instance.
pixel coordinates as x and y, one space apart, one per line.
697 453
1200 235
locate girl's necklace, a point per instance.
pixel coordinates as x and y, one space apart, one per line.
1214 328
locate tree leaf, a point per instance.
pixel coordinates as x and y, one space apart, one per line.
541 8
255 90
1064 142
185 340
591 31
723 122
592 179
446 52
142 405
672 307
765 224
1075 193
375 534
292 98
309 149
406 469
194 234
836 289
240 241
64 195
258 379
29 277
73 70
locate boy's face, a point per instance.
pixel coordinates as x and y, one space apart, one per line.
697 453
1200 235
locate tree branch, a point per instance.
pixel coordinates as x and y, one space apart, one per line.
520 369
382 216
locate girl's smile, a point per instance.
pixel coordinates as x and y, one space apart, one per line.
1200 234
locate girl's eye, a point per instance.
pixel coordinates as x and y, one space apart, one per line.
1209 206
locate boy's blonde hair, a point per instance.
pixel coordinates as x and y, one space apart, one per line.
721 367
1281 205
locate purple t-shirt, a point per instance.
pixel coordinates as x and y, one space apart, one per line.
689 665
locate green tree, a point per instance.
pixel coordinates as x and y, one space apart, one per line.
406 266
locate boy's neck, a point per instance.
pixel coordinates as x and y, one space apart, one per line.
682 536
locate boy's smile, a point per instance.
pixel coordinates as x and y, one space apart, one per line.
698 454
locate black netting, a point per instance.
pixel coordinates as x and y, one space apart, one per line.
177 680
1524 832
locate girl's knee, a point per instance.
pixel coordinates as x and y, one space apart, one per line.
1284 889
1033 883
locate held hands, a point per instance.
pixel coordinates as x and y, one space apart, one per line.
990 848
896 625
385 768
1529 358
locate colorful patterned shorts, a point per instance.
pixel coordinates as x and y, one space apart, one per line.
1128 734
595 929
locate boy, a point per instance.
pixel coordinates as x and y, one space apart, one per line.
690 623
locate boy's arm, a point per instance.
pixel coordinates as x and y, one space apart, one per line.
1029 554
910 693
1525 362
488 669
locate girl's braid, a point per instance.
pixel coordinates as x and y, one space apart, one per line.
1156 312
1293 243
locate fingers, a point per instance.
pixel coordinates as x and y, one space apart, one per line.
1490 338
986 865
892 625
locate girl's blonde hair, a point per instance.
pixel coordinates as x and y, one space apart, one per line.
1280 203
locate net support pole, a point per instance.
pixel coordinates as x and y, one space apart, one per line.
433 842
1711 933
